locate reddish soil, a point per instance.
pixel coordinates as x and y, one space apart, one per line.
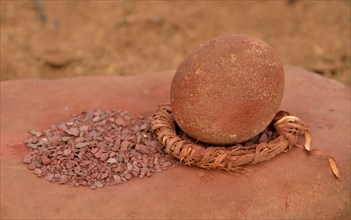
55 39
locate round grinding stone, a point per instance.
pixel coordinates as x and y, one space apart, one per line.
227 90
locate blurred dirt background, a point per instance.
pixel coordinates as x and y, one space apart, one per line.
55 39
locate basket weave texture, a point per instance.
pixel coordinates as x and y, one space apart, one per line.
282 135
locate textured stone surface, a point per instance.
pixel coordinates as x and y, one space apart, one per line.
292 185
227 90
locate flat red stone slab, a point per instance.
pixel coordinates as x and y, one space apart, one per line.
292 185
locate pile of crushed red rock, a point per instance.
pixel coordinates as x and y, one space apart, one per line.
96 148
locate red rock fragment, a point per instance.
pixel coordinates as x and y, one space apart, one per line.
44 169
72 131
117 179
83 183
36 133
112 160
124 145
70 164
104 175
120 122
87 162
65 139
45 160
157 168
128 176
135 171
143 172
27 159
54 140
94 150
103 156
63 179
141 148
97 154
43 142
81 154
97 184
144 126
32 165
138 138
83 129
67 152
50 177
37 171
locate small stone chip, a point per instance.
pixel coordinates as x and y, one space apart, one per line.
37 171
27 159
128 176
45 160
43 142
103 156
144 126
142 148
120 122
36 133
143 172
112 160
72 131
97 184
63 179
67 152
124 145
117 179
32 165
94 150
50 177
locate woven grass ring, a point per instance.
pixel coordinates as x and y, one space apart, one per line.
282 134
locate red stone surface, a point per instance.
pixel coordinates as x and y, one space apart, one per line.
292 185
